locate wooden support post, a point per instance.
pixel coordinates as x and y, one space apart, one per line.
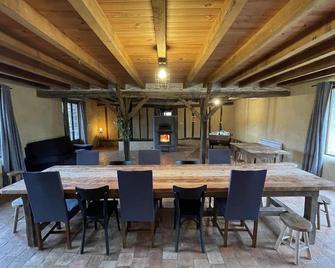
203 121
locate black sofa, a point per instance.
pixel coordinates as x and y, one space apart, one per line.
47 153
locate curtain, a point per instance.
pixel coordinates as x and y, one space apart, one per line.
82 122
317 131
11 147
66 118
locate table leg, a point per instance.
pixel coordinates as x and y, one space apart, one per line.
310 210
30 230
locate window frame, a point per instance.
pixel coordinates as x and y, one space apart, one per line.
71 118
330 115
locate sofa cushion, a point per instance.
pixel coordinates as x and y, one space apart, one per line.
51 147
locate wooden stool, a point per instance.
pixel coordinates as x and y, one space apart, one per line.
325 201
15 176
294 222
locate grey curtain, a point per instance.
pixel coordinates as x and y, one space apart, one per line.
11 147
82 122
66 118
317 131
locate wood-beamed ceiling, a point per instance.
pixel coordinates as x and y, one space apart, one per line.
82 44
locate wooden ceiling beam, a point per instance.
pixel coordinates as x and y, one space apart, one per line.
138 106
283 20
36 55
41 72
310 77
308 56
91 12
159 95
28 17
308 41
22 81
302 71
220 27
159 19
16 72
191 107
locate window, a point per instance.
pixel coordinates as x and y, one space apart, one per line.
167 113
74 120
330 146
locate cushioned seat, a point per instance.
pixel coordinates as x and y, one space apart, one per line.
17 202
72 206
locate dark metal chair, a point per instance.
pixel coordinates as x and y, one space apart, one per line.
136 200
47 202
189 205
219 156
121 162
242 203
187 162
87 157
95 207
149 157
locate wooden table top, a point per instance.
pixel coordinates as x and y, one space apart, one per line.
281 177
258 149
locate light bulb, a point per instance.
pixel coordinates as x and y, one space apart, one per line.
162 73
217 102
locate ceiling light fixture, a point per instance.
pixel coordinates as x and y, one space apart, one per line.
162 74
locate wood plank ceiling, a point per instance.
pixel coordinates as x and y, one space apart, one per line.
86 44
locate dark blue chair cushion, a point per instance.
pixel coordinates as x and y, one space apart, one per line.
72 206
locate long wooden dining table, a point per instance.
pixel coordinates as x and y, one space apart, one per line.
254 151
283 179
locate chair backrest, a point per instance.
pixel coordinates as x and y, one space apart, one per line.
194 196
85 196
136 195
120 162
46 196
219 156
87 157
187 162
245 194
149 157
189 193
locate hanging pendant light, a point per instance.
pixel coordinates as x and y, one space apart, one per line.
162 75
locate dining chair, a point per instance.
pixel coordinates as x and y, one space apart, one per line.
136 200
189 205
48 204
95 207
149 157
187 162
242 203
87 157
17 203
219 156
121 163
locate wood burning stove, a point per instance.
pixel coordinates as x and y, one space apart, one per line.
165 133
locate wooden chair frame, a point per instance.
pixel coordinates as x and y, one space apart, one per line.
125 228
40 226
242 228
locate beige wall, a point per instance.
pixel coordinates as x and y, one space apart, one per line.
284 119
96 119
36 118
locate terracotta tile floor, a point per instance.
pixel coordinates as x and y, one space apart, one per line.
15 253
